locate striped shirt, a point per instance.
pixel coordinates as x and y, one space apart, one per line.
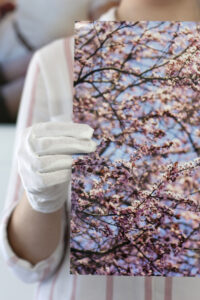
47 96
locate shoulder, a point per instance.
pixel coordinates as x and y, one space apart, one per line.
53 65
55 52
54 61
46 82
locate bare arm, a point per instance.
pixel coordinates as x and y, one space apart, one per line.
44 164
33 235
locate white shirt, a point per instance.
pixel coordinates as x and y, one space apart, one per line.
48 95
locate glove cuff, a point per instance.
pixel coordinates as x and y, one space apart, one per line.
48 205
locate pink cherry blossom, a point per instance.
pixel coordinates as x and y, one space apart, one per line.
136 199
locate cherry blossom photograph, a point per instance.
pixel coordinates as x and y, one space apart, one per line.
135 200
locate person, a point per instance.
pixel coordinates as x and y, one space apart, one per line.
29 30
34 234
23 31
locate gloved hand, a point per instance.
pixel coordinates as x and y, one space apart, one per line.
44 156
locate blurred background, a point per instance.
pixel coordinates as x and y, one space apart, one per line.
23 30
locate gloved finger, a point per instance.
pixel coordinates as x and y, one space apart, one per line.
61 145
36 182
52 178
52 129
51 163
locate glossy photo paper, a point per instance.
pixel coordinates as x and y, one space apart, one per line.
136 200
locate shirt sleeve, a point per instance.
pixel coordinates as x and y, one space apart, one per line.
33 109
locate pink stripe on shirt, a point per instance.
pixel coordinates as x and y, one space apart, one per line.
168 288
53 284
46 271
148 288
70 62
109 287
32 102
74 287
17 188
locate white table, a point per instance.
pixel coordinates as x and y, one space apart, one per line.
10 286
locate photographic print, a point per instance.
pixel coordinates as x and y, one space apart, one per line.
135 201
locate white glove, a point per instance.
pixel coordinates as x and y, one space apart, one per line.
45 159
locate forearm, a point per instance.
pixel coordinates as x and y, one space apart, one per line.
32 235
